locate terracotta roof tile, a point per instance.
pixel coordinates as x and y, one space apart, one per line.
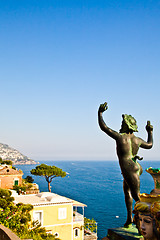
9 171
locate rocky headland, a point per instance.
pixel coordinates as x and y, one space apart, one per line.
9 153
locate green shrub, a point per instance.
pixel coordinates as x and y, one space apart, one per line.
90 224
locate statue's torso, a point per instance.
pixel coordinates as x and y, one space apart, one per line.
127 149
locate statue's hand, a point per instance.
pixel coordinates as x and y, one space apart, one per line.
103 107
149 127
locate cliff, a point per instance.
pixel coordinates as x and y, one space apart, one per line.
8 153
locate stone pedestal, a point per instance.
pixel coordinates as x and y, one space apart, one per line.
121 233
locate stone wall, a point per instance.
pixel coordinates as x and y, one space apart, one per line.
7 234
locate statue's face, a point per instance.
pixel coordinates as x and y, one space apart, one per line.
124 127
146 226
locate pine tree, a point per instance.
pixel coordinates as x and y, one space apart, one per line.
49 172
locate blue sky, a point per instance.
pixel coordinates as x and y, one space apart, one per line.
60 59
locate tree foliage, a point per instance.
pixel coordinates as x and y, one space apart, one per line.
5 199
90 224
16 217
29 179
26 185
36 232
20 189
49 172
7 162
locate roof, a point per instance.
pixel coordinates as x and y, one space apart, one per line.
8 170
45 198
78 204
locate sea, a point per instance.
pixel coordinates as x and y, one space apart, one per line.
98 184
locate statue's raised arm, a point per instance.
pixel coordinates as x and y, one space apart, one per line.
149 143
103 107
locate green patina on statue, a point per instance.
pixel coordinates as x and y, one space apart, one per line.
127 148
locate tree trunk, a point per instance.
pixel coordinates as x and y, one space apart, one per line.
49 187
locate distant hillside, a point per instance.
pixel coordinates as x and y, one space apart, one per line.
8 153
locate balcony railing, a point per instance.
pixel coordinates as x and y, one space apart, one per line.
77 217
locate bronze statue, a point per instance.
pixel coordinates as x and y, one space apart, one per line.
127 148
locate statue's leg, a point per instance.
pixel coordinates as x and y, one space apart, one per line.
135 187
128 201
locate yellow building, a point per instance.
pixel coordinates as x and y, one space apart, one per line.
57 214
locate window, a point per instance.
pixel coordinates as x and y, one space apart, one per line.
62 213
76 232
37 216
15 182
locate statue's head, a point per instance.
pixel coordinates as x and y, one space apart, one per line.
147 219
128 124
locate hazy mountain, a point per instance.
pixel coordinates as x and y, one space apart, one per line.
9 153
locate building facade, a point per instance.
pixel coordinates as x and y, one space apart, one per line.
10 177
57 214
